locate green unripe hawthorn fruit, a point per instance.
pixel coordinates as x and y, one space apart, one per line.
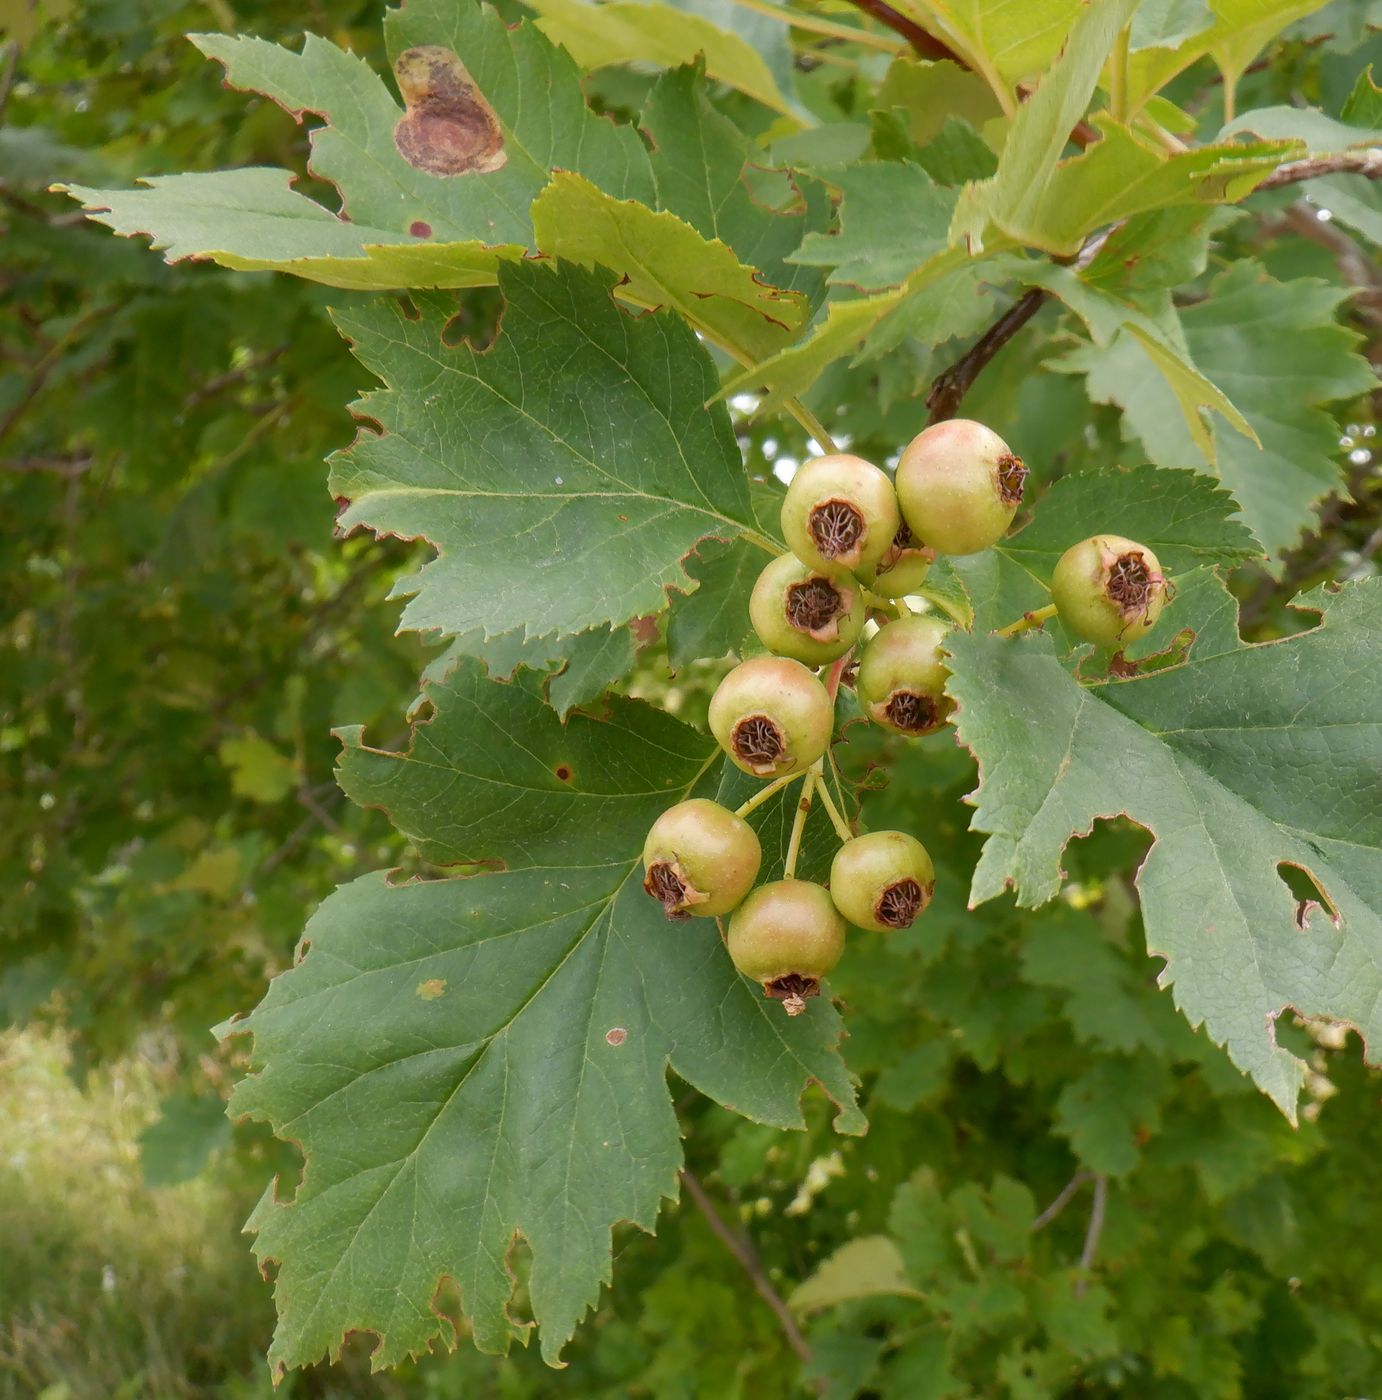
959 486
902 675
1109 590
771 716
804 612
903 567
882 881
787 935
700 858
840 513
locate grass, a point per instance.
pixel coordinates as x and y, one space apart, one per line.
109 1288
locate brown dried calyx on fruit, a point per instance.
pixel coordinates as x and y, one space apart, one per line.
912 713
1109 590
792 991
758 742
805 612
812 606
666 882
1012 479
835 528
772 716
900 903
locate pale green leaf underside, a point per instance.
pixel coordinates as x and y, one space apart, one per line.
562 474
667 263
252 220
467 1060
1276 351
641 31
1242 758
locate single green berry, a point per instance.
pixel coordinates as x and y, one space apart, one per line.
804 612
882 881
771 716
959 486
840 513
1109 590
902 675
700 858
787 935
903 567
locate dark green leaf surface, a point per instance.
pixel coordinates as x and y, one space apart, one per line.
468 1059
562 474
1239 760
714 619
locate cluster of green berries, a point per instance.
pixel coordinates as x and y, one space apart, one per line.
861 542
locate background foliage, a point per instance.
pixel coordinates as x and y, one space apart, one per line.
182 631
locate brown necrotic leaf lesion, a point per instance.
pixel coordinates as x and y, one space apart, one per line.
448 127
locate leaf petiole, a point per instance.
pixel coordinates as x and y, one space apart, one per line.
761 796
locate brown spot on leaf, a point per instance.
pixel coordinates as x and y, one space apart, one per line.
432 988
448 127
420 228
564 773
616 1036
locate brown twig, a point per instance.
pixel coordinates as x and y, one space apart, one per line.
922 41
1367 163
742 1249
1355 266
951 385
927 46
1066 1195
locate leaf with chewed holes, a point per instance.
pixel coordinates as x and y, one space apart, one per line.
469 1060
563 473
1240 761
406 220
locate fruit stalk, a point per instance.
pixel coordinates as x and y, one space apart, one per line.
761 796
831 810
1028 619
808 787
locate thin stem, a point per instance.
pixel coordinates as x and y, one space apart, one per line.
1066 1195
808 787
742 1249
939 600
1367 163
1230 100
899 606
925 44
812 424
763 794
1028 619
951 385
1096 1228
831 810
